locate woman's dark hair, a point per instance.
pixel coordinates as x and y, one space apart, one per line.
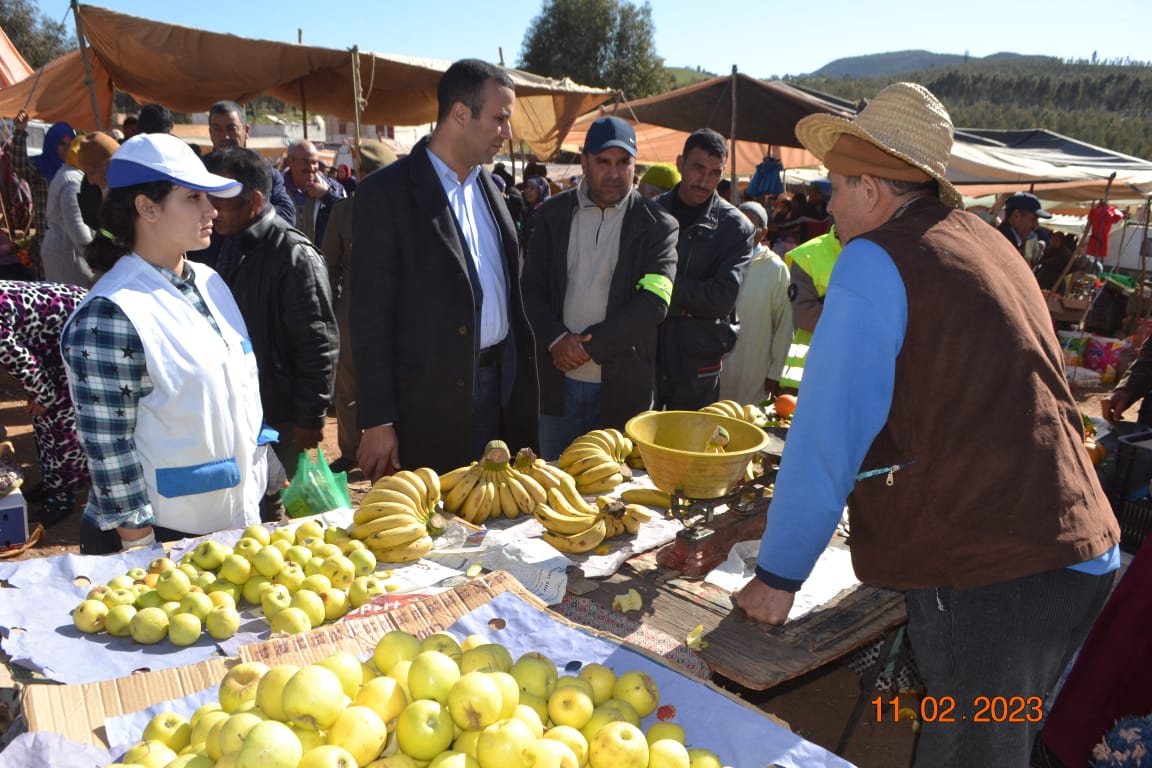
118 214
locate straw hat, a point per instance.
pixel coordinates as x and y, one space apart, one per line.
904 120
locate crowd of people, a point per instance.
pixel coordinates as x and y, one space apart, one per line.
199 323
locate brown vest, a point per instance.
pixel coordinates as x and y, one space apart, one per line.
995 483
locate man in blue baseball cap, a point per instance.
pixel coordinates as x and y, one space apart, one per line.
1022 214
597 283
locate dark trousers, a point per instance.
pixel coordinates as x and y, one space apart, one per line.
687 394
94 541
1000 649
485 408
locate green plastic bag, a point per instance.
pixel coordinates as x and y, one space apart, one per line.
314 489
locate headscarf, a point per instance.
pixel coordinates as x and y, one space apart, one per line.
48 161
541 184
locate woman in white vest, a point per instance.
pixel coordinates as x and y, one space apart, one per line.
159 362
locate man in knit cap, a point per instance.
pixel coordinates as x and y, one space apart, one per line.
658 179
969 490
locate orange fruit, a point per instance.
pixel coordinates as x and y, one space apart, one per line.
784 405
1096 451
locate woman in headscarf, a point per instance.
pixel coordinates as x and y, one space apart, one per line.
62 249
536 191
39 171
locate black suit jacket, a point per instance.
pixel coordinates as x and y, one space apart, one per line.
415 318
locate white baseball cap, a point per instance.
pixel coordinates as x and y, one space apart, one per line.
162 157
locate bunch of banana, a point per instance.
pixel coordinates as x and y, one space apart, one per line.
749 413
597 460
397 518
622 518
549 477
490 488
583 540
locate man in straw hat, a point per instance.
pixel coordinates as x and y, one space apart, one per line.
972 493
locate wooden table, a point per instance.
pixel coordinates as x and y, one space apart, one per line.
756 656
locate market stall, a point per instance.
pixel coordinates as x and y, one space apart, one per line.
682 632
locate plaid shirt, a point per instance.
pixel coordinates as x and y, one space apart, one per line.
108 377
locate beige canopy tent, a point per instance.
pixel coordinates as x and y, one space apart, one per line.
188 69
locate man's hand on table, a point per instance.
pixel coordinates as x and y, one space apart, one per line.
763 603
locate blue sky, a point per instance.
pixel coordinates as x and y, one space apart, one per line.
760 38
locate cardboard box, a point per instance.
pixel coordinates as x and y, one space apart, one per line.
13 520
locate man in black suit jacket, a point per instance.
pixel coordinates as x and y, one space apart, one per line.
442 347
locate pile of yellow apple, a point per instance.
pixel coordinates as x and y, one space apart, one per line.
301 578
441 704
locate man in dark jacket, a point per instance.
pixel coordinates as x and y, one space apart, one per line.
281 285
597 282
715 244
442 347
228 127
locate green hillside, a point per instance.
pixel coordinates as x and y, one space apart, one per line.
1105 104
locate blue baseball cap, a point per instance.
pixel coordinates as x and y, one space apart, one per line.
150 157
608 132
1026 201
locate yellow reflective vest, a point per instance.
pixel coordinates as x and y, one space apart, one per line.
816 257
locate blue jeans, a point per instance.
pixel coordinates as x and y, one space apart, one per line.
581 414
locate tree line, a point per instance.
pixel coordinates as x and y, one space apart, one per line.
1109 105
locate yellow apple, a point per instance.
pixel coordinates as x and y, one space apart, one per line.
235 568
149 625
317 582
638 689
536 674
668 753
184 629
270 744
445 643
504 745
235 730
364 589
509 692
486 657
467 742
202 728
570 705
149 754
610 711
432 676
291 576
119 596
384 696
209 554
396 645
299 554
203 709
573 738
703 758
335 601
257 532
359 730
282 533
548 753
363 561
290 621
311 603
309 739
532 710
270 690
275 599
618 745
313 697
453 759
399 673
347 668
339 570
473 641
475 701
328 756
222 621
602 678
89 616
169 728
579 682
666 730
196 603
161 564
268 561
424 729
239 684
118 622
309 529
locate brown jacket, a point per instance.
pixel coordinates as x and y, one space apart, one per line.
995 483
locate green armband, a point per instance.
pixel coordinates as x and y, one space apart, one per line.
658 284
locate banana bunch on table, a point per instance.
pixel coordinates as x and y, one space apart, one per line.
490 488
750 413
598 460
397 518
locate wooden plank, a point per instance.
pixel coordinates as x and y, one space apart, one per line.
756 656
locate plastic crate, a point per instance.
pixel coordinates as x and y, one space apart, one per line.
1132 471
1135 518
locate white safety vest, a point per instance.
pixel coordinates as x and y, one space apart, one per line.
196 431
